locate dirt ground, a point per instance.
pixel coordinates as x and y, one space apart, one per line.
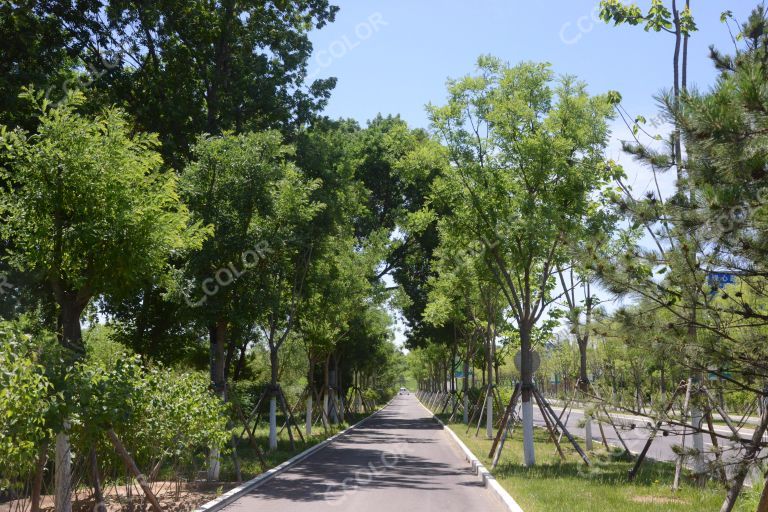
173 497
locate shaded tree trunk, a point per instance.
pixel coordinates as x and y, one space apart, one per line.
71 307
583 342
37 482
96 481
217 334
310 392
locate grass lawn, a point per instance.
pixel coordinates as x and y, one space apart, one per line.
554 485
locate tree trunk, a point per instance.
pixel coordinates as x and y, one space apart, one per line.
96 482
63 476
489 405
454 350
742 469
338 385
273 363
763 505
526 378
71 306
217 334
466 389
327 387
241 359
310 391
37 482
69 320
583 342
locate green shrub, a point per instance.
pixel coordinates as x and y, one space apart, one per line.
26 401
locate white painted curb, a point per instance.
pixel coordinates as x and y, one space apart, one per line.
488 479
238 492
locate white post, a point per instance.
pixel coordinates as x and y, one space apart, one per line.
63 475
308 427
528 449
588 431
489 415
273 422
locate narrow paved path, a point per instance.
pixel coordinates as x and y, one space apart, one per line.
400 460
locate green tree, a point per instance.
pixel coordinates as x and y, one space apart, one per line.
527 153
252 268
88 212
188 67
724 130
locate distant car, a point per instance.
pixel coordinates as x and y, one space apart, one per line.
403 391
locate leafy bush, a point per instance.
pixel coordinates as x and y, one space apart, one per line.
26 400
155 411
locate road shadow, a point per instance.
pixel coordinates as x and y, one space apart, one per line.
377 455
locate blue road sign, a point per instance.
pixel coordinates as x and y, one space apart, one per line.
720 279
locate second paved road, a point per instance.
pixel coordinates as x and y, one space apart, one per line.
399 460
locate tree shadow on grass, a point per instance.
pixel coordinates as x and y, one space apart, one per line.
610 468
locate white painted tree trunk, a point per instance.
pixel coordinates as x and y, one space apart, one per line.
466 408
332 396
588 431
489 417
272 423
699 461
63 476
214 464
327 404
308 426
528 449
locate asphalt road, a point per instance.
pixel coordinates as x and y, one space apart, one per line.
399 460
635 432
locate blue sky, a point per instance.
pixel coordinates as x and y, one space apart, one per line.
394 56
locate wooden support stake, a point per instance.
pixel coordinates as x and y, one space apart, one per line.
37 482
723 414
505 420
563 428
551 431
475 411
633 472
131 464
715 444
480 415
507 431
291 417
